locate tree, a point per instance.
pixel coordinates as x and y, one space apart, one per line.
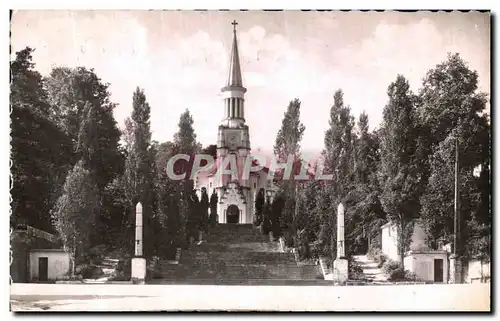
326 212
185 138
339 162
259 206
185 143
275 213
76 211
453 111
139 169
168 192
400 175
71 93
366 215
193 215
41 153
211 150
213 208
267 217
204 205
288 144
307 221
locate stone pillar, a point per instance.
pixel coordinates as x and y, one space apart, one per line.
138 262
341 265
455 276
242 108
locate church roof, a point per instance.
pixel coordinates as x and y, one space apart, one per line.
234 78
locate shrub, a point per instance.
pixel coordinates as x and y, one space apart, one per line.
96 254
315 250
377 255
355 270
265 227
289 239
394 270
304 251
123 270
89 271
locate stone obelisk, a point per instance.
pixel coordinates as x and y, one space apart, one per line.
340 266
138 262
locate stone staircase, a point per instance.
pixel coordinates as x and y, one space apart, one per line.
108 265
236 254
371 271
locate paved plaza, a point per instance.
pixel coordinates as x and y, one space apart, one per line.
126 297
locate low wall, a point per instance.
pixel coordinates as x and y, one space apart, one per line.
476 271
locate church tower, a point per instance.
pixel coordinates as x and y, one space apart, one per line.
236 193
233 137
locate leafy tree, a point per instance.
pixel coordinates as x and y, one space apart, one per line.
193 215
307 221
366 214
75 212
267 217
185 143
204 205
339 158
72 93
115 215
288 144
259 206
139 169
290 133
453 110
400 174
168 202
185 138
339 146
211 150
213 208
276 213
41 153
326 213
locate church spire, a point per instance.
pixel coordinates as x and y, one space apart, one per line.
234 78
234 92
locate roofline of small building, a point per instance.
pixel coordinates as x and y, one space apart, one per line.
386 225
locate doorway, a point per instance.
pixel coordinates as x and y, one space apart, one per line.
438 270
43 268
233 214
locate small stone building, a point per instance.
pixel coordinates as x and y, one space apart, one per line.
427 264
30 249
48 265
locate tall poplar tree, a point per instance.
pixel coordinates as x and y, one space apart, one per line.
185 143
139 169
288 144
339 162
400 175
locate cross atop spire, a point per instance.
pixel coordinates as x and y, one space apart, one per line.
234 79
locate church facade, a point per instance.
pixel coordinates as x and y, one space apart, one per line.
236 195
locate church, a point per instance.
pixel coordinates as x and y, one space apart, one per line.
236 195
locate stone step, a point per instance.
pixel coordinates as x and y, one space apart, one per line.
242 272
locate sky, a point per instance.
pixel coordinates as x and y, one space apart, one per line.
180 59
